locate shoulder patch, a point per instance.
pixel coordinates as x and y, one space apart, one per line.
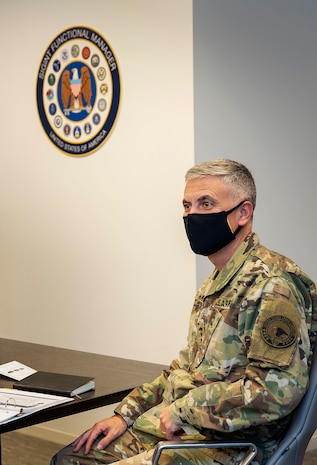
279 331
276 332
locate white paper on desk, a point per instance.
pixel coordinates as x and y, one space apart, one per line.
15 402
16 370
6 415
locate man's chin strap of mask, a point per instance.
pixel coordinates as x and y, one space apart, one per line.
207 233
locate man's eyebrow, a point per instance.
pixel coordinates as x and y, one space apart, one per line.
201 199
205 197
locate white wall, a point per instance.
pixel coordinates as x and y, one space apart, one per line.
93 250
255 101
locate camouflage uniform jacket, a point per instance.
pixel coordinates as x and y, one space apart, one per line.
246 365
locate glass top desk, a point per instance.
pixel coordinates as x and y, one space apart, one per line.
115 377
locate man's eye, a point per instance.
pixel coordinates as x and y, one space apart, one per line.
207 205
186 207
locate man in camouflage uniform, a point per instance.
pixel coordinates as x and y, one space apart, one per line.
251 336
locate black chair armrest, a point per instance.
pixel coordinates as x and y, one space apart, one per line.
251 449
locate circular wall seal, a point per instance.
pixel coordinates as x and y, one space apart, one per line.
78 91
279 331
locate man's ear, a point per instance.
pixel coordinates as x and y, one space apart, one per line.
246 212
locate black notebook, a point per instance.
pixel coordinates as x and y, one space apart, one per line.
56 383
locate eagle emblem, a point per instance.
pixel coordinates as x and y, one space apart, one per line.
76 92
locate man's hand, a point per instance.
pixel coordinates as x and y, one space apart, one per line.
167 426
111 428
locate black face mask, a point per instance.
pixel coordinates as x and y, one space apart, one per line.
207 233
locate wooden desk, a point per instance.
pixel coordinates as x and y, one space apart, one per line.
114 377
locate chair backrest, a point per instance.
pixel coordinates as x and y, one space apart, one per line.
303 424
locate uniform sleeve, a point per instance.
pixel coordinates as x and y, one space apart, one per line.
275 338
150 394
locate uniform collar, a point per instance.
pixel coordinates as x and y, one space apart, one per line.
219 279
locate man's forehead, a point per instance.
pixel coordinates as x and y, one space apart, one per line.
208 185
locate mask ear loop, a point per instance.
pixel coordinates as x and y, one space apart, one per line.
230 211
237 206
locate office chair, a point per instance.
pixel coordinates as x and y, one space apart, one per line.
291 449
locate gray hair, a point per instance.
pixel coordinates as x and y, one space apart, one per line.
237 176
